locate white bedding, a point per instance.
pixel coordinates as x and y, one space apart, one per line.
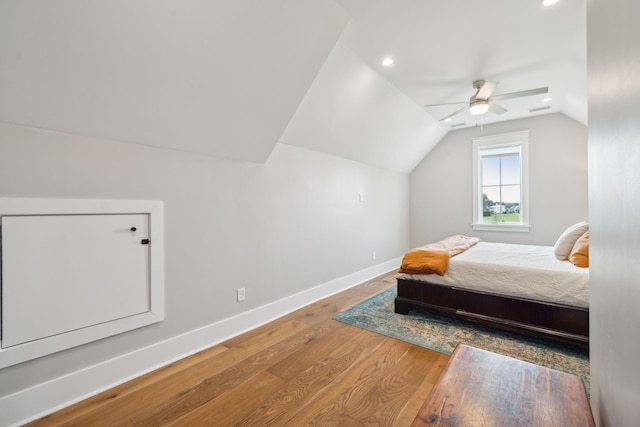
517 270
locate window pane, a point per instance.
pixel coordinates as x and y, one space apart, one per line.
491 170
511 194
491 202
501 188
500 181
511 198
492 193
510 169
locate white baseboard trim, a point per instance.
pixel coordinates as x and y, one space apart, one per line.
37 401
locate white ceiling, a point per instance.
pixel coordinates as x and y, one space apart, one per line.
440 47
232 78
351 111
220 77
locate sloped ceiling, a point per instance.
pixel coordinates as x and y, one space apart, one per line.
441 47
361 110
232 78
351 111
216 77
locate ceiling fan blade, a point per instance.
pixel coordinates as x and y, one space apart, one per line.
466 107
496 109
446 103
512 95
486 90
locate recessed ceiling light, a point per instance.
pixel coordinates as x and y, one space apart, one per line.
549 2
448 119
387 62
547 99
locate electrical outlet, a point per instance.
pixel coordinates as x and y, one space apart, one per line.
373 255
240 294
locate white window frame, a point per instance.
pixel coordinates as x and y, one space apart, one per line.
513 139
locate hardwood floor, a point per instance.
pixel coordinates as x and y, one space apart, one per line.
303 369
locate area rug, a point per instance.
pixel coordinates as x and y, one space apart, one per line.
442 334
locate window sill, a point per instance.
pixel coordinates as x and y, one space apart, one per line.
516 228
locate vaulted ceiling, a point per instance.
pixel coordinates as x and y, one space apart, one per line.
440 47
216 77
232 78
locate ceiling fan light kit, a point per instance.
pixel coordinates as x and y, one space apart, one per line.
483 101
479 106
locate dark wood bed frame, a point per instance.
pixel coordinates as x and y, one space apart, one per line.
557 322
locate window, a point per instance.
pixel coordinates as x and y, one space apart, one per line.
500 176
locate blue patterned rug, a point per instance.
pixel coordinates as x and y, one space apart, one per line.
441 334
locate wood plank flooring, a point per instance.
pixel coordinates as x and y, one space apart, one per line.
304 369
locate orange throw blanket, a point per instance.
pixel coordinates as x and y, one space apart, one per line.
434 258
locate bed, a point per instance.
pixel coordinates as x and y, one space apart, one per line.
519 288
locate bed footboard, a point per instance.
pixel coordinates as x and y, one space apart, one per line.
557 322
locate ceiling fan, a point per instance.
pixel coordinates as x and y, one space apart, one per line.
482 101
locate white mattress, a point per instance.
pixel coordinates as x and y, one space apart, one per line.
517 270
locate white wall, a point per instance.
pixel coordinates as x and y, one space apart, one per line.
442 184
276 229
614 204
223 79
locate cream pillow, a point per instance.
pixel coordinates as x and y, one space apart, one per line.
565 242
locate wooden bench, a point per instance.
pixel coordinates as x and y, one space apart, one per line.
480 388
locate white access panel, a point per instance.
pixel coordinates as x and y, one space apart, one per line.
66 272
75 271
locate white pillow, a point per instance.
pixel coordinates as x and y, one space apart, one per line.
565 242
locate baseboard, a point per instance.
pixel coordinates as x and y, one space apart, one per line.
35 402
